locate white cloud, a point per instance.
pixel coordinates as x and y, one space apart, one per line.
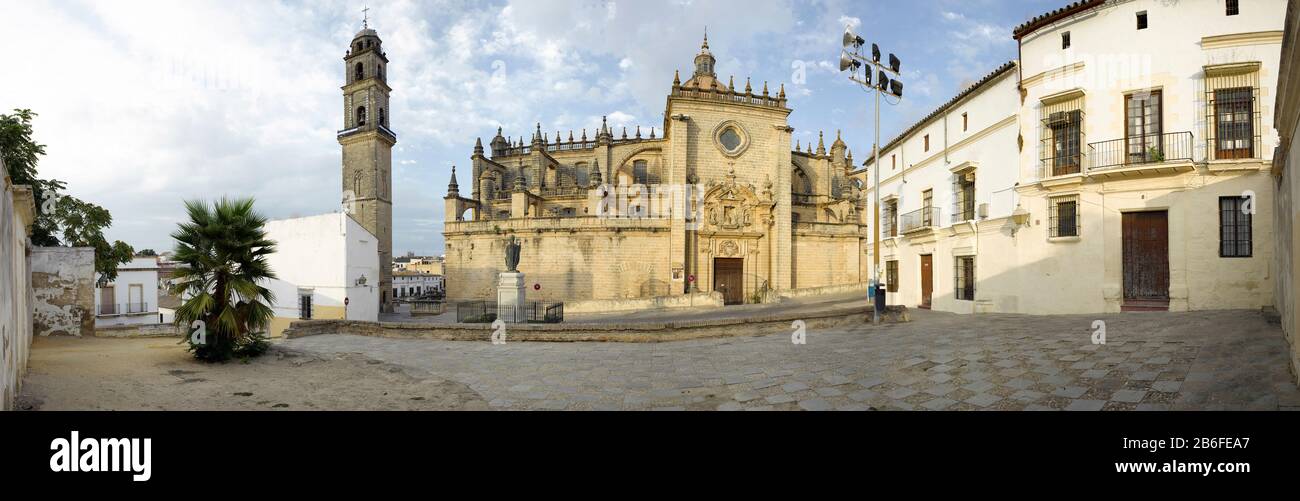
144 104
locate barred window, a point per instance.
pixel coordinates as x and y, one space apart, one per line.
1063 141
963 190
1234 7
1064 217
890 217
1234 228
1065 40
304 306
1234 113
891 275
964 278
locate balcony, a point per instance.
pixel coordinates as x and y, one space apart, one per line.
113 310
920 219
1140 150
1064 165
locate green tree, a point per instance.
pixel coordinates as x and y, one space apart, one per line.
147 253
222 252
21 154
83 225
80 223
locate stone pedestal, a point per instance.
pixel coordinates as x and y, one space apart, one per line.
510 297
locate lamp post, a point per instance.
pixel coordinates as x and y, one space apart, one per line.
852 59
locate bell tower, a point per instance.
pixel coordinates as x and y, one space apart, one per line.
367 141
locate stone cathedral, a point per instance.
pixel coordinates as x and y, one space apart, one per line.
367 141
775 216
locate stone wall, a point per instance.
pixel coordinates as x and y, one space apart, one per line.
16 213
63 282
644 332
826 291
140 330
697 300
570 258
1286 166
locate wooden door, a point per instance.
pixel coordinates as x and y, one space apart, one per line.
729 279
927 280
108 300
1146 255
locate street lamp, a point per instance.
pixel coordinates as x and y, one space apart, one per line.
852 60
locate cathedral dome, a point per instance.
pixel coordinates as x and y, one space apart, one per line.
705 78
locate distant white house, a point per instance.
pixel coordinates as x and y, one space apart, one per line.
413 283
131 299
326 267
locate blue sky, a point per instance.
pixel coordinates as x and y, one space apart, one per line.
145 104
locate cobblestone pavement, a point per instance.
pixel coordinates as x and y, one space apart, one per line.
1221 360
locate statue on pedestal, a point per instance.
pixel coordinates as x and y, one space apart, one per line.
512 255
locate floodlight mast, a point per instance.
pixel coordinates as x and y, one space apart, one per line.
851 58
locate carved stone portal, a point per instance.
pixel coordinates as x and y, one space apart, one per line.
732 206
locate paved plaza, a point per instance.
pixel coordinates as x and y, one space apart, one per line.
1221 360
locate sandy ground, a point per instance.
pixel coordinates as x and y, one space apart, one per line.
158 374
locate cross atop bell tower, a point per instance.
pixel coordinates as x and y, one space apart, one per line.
367 140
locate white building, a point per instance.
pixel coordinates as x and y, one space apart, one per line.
131 299
1111 169
413 283
326 267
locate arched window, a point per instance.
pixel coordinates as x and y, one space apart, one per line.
381 72
361 116
356 184
799 183
361 71
580 172
640 172
383 119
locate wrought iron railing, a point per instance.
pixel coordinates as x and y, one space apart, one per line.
533 312
963 212
1140 149
920 219
123 309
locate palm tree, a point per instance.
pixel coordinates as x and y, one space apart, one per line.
222 251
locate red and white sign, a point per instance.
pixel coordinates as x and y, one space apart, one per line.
690 278
537 287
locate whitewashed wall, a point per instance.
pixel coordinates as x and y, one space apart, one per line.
325 254
15 292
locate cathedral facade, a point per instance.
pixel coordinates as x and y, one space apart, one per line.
748 213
